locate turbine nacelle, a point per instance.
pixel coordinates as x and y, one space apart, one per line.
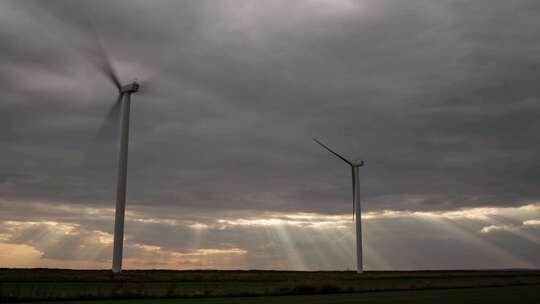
130 88
357 163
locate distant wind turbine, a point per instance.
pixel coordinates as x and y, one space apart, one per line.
357 212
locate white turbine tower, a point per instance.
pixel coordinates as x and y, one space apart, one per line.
121 186
357 212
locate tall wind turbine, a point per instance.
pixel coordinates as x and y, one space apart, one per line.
120 110
357 212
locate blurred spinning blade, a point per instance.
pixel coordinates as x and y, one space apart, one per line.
109 126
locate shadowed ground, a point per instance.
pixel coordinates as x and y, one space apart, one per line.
210 286
509 294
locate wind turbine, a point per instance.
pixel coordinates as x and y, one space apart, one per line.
357 212
118 113
120 110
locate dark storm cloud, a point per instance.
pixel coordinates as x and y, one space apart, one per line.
440 98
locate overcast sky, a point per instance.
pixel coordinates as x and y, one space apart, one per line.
440 98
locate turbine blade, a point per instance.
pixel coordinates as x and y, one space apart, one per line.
102 59
111 121
74 15
108 70
333 152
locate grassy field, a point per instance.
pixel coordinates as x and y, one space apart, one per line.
491 295
209 286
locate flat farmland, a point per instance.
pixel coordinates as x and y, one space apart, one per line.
208 286
480 295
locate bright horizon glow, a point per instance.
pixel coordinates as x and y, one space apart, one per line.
297 241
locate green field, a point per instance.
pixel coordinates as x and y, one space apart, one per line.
268 286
